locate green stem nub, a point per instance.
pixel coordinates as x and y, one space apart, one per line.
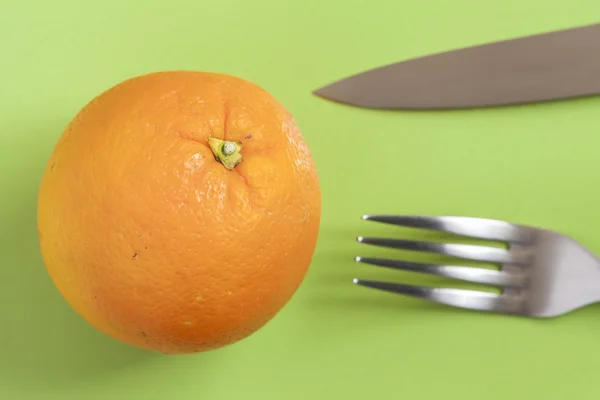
227 153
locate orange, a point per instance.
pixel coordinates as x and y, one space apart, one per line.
179 211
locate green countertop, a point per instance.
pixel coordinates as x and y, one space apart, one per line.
535 165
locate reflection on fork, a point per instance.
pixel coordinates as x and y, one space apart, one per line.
542 273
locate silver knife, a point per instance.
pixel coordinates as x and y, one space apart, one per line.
539 68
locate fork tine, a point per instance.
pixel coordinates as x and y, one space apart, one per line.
470 299
480 228
464 251
467 274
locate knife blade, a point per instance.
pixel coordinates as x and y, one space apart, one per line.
544 67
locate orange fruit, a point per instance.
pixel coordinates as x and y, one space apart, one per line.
179 210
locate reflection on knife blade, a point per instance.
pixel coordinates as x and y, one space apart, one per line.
545 67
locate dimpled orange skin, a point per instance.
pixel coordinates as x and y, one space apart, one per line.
151 239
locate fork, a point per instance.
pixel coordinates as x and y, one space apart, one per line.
541 273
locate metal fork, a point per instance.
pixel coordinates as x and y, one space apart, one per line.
541 273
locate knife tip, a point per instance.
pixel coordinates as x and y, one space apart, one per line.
318 92
328 93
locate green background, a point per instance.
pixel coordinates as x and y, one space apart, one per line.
534 164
